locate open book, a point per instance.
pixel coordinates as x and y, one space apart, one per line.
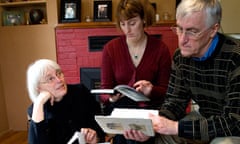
123 119
125 90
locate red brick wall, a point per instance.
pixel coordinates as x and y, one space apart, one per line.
73 50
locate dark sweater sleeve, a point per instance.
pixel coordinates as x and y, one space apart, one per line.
162 78
37 132
107 74
92 108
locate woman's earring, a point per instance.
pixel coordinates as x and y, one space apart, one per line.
144 23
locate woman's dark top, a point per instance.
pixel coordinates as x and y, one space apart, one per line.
75 111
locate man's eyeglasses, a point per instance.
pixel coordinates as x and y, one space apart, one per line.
191 34
50 79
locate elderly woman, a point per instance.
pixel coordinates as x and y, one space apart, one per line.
58 109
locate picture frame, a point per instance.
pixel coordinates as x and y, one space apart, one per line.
154 5
177 2
13 18
70 11
102 10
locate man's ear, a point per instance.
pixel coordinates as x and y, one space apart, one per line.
215 29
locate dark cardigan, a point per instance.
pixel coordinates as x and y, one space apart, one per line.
75 111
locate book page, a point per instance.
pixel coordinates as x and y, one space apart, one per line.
104 91
113 125
126 119
132 113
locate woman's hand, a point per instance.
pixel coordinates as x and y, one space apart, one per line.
115 97
44 96
38 111
90 135
135 135
144 87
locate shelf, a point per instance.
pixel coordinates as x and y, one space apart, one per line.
86 25
104 24
20 12
22 3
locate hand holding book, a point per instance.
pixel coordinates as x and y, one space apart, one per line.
115 97
125 90
121 120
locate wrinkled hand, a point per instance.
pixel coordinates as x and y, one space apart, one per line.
144 86
38 111
44 96
163 125
90 135
135 135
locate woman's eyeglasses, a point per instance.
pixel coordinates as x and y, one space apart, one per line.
52 78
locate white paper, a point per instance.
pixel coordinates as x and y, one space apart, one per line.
133 113
77 136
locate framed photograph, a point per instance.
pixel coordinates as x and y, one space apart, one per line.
102 10
12 18
70 11
154 5
177 3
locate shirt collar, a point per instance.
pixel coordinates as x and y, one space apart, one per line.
210 50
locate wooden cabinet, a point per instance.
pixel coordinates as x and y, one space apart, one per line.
23 12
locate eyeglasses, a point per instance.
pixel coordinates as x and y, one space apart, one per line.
191 34
52 78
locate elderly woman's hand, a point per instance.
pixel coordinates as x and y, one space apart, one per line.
90 135
38 113
44 96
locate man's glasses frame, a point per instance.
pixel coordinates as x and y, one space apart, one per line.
191 34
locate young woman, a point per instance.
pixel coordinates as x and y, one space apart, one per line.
136 58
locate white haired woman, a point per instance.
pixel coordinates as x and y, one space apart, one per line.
59 109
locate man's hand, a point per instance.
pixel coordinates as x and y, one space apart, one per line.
163 125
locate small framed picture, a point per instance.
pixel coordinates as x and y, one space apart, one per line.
102 10
70 11
177 3
154 5
12 18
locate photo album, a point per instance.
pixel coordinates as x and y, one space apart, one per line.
122 119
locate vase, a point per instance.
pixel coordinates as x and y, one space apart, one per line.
36 16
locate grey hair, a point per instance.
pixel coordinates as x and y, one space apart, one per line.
212 9
35 72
